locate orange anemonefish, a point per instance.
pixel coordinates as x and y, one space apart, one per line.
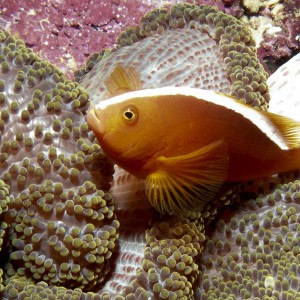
186 142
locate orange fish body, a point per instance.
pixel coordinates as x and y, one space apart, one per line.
187 142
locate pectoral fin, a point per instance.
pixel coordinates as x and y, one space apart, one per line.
189 181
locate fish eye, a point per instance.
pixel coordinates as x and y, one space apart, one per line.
130 115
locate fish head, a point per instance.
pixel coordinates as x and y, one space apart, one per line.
126 128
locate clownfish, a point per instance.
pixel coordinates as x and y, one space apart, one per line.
186 142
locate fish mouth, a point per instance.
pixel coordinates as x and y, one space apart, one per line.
96 121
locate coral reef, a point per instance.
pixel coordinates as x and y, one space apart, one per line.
276 27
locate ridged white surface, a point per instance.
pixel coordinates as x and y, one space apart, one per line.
284 87
128 191
176 58
129 259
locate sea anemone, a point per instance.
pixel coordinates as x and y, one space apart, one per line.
253 250
54 201
62 227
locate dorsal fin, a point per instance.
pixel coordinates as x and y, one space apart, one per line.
122 80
